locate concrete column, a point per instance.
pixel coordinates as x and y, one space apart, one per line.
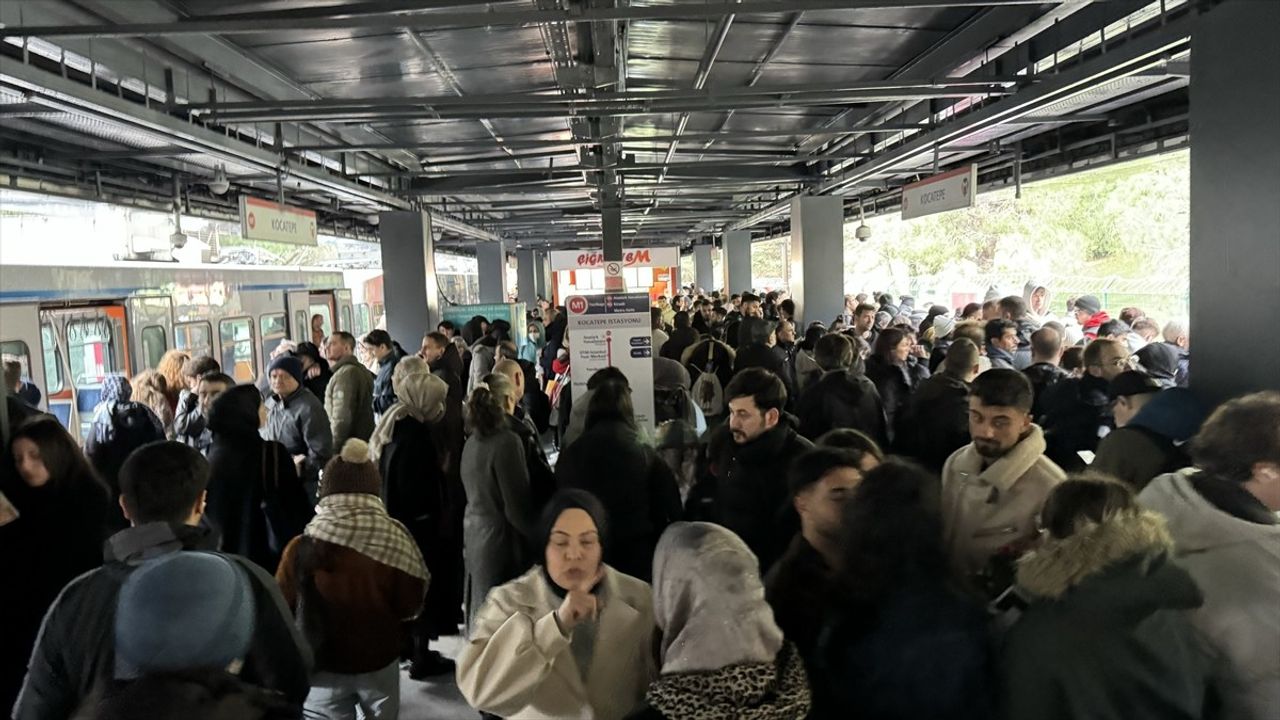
611 223
1235 180
702 266
737 261
408 275
526 276
491 257
542 274
817 257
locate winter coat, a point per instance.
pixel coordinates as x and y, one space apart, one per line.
842 399
245 472
520 664
76 651
193 695
759 355
1073 414
937 423
1107 635
679 340
807 371
938 354
745 487
1182 377
637 489
778 690
797 590
999 357
1236 563
921 653
1022 356
542 479
422 490
132 426
1154 441
189 424
384 395
986 511
483 357
319 384
359 603
300 424
895 384
500 515
1042 376
348 401
1097 320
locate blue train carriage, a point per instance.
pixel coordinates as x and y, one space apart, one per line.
72 326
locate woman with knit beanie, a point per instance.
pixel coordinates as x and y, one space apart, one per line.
352 578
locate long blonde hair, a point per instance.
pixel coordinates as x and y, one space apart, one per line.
170 368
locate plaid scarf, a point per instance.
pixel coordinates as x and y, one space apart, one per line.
360 522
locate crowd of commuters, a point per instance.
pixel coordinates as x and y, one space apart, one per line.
911 512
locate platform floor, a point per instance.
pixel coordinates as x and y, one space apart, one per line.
437 698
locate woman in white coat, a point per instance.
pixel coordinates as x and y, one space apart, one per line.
566 641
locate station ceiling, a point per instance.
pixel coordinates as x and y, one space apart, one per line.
520 120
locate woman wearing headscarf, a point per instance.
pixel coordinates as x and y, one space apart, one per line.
723 656
571 638
411 448
1108 633
535 339
119 427
255 498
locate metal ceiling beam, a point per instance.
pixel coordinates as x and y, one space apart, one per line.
434 20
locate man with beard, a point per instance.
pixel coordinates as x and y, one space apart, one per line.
994 487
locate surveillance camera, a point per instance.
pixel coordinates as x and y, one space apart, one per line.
178 240
219 185
862 232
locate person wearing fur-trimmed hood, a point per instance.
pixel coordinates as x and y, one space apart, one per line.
1107 634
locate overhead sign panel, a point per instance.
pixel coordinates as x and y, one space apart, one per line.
613 331
949 191
268 220
635 257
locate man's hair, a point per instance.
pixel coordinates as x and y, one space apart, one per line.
1145 325
1113 327
1131 314
750 297
446 325
884 299
1072 358
1003 387
199 366
161 482
1240 433
343 337
850 440
833 352
761 385
12 374
1015 306
606 375
1046 342
811 465
969 330
970 309
1093 351
437 338
788 306
995 328
655 318
863 308
962 355
218 377
378 338
1173 330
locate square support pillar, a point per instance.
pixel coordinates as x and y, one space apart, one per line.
737 261
611 223
409 289
526 277
1235 180
542 275
702 255
817 257
491 259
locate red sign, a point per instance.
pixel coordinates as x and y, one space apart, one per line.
577 304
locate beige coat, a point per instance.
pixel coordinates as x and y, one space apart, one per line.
985 510
519 665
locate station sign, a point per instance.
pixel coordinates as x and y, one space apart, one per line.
952 190
269 220
635 257
613 330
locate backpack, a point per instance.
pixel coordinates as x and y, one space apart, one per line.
707 392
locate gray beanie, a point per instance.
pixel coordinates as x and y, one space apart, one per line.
943 325
183 611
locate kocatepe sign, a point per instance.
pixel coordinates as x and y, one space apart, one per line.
268 220
613 331
949 191
637 257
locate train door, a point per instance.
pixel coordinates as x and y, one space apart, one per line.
20 341
346 311
150 327
298 303
91 343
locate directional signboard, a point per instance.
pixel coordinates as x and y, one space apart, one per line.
268 220
613 331
949 191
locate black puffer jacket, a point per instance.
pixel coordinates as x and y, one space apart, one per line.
1073 412
938 421
895 383
842 399
1042 377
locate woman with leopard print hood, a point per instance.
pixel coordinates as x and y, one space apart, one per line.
723 657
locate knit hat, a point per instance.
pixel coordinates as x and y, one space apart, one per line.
1160 361
1131 382
1089 304
289 364
183 611
993 293
943 325
351 471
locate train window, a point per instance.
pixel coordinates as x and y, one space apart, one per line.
346 318
272 331
154 344
194 338
363 326
89 350
52 359
300 325
236 335
17 351
326 323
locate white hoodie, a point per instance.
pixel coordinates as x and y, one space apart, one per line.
1236 563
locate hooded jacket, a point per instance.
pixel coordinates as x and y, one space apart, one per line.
1042 375
842 399
938 421
1236 563
531 349
348 401
1107 635
1153 443
300 424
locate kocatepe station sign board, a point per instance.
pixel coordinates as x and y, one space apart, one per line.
949 191
269 220
613 331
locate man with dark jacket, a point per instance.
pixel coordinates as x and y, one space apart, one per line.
1002 342
297 420
1044 371
1014 309
348 398
445 363
162 493
1176 337
843 397
939 410
1075 410
378 344
1152 429
744 487
759 337
189 417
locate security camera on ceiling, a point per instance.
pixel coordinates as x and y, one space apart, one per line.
863 231
219 185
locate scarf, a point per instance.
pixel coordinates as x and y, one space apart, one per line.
749 691
419 395
360 522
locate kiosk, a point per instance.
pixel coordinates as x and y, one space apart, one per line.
655 271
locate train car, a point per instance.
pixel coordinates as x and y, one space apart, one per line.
71 326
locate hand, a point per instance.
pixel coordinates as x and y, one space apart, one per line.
298 462
313 372
579 604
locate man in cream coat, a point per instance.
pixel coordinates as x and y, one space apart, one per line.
993 488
